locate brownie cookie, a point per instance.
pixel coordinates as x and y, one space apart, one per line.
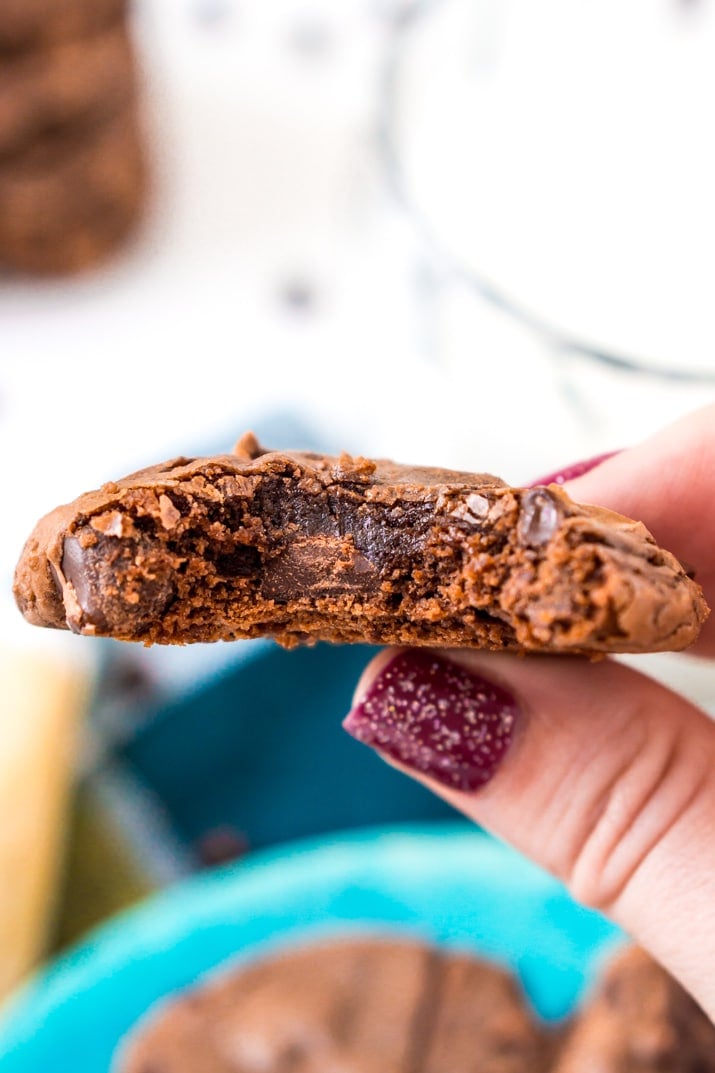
69 201
397 1007
37 23
303 547
639 1019
76 83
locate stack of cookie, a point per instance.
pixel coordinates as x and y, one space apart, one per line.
71 165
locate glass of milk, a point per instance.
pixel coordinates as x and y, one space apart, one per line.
556 161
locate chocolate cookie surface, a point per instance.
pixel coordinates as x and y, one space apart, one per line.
66 202
76 83
397 1007
305 547
36 23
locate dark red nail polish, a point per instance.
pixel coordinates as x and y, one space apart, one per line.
433 716
576 469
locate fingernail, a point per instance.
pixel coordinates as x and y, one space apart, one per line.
433 716
576 469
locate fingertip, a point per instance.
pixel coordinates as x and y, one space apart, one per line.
573 470
432 715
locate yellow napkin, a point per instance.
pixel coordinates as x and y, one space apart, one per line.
41 699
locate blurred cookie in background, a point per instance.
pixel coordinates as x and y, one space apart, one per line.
28 24
368 1003
639 1018
72 170
348 1004
66 205
47 93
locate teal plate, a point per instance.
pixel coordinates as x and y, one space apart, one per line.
446 883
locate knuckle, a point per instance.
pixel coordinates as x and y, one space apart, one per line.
631 814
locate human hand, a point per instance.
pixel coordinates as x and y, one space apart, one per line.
598 773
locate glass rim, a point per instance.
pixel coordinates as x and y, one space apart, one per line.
499 296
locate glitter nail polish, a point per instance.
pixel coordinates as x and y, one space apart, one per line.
433 716
576 469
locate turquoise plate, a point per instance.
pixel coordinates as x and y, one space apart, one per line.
446 883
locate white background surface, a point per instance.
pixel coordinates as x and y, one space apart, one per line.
564 152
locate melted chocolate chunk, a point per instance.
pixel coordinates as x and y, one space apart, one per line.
74 568
318 564
111 580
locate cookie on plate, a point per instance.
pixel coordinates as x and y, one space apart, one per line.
305 547
347 1005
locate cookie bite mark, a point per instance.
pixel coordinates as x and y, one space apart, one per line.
305 547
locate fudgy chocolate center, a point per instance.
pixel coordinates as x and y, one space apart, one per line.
279 543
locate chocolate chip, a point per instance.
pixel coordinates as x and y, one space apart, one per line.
539 519
320 565
74 568
114 580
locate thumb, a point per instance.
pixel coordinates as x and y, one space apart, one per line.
599 774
